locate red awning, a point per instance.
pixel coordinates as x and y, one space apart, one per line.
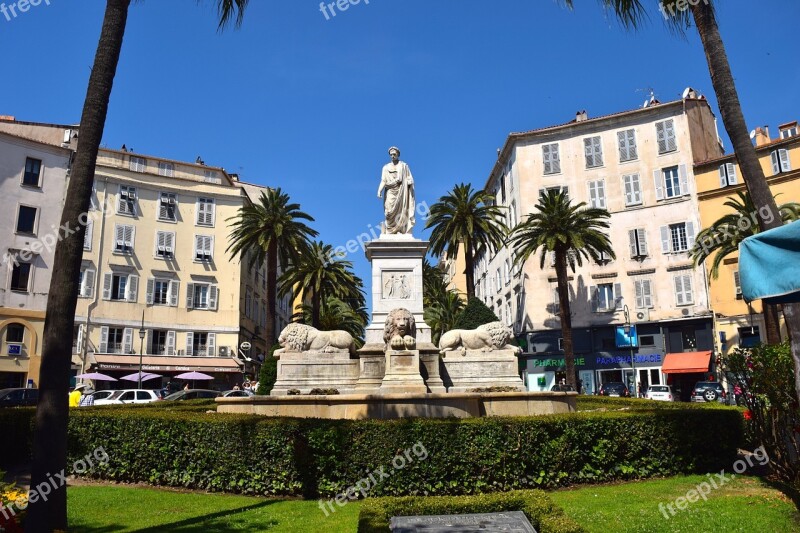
686 363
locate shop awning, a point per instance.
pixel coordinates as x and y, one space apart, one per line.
686 363
155 363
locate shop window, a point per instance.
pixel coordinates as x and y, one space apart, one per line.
749 337
647 340
689 339
15 333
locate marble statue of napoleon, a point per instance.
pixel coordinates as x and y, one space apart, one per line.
398 201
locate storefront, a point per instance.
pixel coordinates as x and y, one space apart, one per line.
542 372
616 368
225 370
685 369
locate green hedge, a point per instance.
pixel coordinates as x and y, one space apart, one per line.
544 515
255 455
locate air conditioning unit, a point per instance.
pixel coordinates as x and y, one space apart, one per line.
643 315
224 351
685 312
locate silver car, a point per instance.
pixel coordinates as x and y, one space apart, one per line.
662 393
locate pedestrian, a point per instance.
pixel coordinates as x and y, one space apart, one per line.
87 400
186 387
236 387
75 395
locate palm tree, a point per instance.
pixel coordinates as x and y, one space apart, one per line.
50 433
433 283
271 229
723 237
632 13
321 275
573 233
442 313
336 314
466 217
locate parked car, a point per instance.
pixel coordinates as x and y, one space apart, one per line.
193 394
102 394
614 388
18 397
708 391
127 396
662 393
562 388
237 394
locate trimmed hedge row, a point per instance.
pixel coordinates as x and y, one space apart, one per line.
544 515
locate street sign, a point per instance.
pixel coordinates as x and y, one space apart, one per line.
14 349
245 346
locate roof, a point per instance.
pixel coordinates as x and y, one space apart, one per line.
763 148
41 143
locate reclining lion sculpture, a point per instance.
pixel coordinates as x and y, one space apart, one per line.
297 338
486 338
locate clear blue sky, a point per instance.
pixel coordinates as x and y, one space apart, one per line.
311 105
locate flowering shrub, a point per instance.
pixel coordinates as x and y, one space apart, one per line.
11 499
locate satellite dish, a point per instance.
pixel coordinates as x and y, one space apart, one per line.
753 134
646 103
686 92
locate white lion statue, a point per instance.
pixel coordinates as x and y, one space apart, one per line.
303 338
400 330
486 338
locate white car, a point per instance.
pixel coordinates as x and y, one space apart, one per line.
237 394
662 393
130 396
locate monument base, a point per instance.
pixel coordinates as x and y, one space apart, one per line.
402 374
478 370
305 371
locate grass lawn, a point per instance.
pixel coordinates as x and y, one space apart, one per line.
744 504
103 509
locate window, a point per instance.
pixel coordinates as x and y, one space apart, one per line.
665 134
552 163
543 192
780 161
597 194
116 340
205 212
201 344
15 333
87 235
737 285
127 200
498 281
512 215
138 164
688 339
633 189
749 337
162 342
644 293
509 314
163 292
26 220
789 132
166 169
507 272
21 277
33 172
201 296
203 248
677 238
671 182
683 289
124 239
638 242
627 145
167 207
647 340
248 303
86 283
607 296
556 302
120 287
727 174
593 150
210 176
165 244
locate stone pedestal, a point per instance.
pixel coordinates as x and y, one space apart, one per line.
396 282
372 365
431 373
477 369
311 370
402 374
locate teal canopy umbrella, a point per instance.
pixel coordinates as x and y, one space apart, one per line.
769 265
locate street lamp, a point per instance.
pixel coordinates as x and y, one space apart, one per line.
627 329
141 349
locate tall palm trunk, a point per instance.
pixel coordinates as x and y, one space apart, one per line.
469 260
316 303
772 323
733 120
50 434
272 293
566 315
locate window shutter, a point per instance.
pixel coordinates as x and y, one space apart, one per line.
672 143
151 285
170 348
679 290
623 145
190 343
627 188
127 341
174 289
659 181
88 283
690 234
618 296
632 239
647 293
190 296
211 346
79 342
641 234
737 284
776 165
130 236
108 279
163 208
637 189
684 179
632 153
87 236
601 193
119 233
783 155
593 295
665 238
731 173
169 242
588 150
723 177
133 288
661 137
688 296
546 158
104 339
556 161
148 344
592 186
639 289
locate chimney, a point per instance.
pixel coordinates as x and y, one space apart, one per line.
234 177
581 116
8 118
762 136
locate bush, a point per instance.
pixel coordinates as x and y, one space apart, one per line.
323 392
543 514
269 372
290 457
475 314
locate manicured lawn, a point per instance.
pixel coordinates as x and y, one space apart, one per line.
744 504
101 509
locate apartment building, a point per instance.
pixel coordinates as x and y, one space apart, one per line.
33 179
719 180
637 164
